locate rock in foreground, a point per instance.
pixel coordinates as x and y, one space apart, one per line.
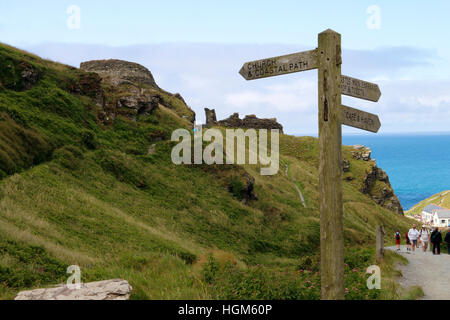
116 289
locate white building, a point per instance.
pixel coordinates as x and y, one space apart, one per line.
436 216
441 218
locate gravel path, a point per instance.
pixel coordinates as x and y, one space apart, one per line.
431 272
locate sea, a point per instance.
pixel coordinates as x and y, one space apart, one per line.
418 165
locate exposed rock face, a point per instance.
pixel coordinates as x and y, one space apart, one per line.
249 122
178 96
382 194
361 153
345 165
89 84
29 75
139 102
120 72
130 90
116 289
249 190
243 187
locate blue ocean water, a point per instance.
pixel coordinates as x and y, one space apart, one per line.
418 165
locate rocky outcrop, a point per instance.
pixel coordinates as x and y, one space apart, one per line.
249 190
376 183
130 90
120 72
18 75
116 289
138 102
249 122
345 165
29 75
89 84
361 152
243 187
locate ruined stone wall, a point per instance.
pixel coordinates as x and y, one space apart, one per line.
119 71
211 119
249 122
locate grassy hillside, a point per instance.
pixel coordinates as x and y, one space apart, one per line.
441 199
78 190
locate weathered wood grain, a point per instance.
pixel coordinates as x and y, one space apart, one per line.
270 67
360 119
330 171
360 89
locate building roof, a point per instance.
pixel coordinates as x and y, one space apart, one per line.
431 208
443 214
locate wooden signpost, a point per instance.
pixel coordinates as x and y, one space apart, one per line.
360 119
332 114
360 89
276 66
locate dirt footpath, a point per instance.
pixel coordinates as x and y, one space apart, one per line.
431 272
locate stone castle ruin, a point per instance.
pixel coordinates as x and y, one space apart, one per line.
120 72
249 121
136 92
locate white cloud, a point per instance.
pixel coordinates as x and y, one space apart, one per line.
292 96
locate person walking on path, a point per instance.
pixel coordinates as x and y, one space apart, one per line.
397 238
413 235
436 239
447 239
408 243
424 236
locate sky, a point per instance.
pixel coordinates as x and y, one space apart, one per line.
197 47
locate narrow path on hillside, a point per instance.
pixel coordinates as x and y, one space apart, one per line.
442 198
300 194
430 272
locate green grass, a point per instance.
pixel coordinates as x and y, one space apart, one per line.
76 191
441 199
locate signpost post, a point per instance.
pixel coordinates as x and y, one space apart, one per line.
332 114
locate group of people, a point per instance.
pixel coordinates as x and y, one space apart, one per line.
415 237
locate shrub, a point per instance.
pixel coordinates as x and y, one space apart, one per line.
88 139
123 167
228 281
210 269
236 187
69 157
30 266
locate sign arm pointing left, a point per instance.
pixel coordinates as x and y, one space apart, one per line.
295 62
